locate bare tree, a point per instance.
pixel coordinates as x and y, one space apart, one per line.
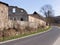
48 12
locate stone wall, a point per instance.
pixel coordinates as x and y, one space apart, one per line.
22 24
37 20
3 16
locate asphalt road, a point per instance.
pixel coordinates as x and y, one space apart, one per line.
47 38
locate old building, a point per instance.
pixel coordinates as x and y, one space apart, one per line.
15 21
11 15
36 18
3 14
16 13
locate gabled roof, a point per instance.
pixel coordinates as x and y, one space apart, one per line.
4 3
35 12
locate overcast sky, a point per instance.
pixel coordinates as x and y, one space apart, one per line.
35 5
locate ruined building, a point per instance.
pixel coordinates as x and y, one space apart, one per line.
15 21
11 13
16 13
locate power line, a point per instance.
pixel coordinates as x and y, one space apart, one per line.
17 2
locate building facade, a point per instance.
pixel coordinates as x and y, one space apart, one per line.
16 13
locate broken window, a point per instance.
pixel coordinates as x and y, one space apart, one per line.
21 19
14 10
21 10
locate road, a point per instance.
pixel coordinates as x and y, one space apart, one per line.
47 38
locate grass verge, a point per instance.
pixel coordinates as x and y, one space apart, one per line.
22 35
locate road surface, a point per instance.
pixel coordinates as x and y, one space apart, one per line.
47 38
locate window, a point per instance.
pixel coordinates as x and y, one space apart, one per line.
14 10
21 10
21 19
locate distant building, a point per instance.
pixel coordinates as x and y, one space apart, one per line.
35 17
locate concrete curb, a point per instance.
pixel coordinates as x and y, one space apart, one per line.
24 37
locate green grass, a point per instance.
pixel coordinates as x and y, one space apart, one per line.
22 35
